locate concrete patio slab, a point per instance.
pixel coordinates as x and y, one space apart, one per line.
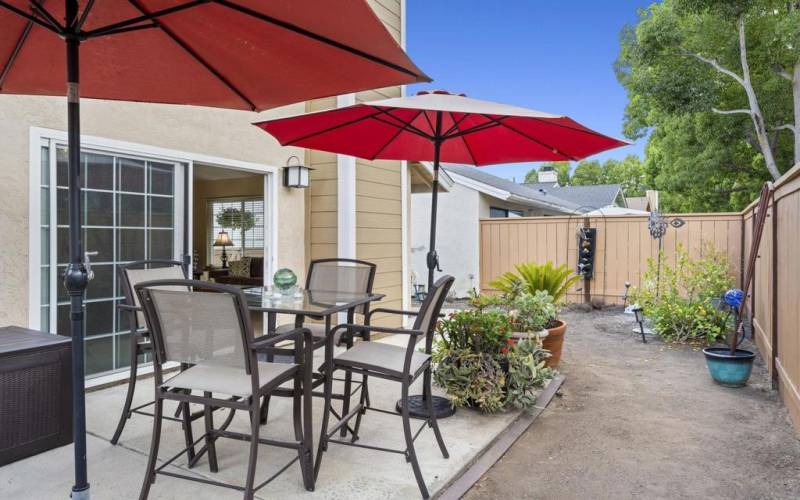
346 472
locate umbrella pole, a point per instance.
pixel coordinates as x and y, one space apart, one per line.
76 276
418 403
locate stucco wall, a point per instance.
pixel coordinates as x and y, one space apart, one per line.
457 236
222 133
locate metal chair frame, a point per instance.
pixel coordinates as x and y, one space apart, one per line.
319 377
434 300
138 334
301 393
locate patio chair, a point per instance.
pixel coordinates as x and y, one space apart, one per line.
129 275
335 275
207 326
395 363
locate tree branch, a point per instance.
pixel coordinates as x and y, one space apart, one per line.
716 65
732 111
781 71
786 126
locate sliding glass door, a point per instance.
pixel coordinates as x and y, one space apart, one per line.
133 209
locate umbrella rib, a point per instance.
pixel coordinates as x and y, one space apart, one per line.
537 141
84 15
112 28
430 124
292 142
393 137
17 48
456 123
47 16
469 149
185 46
27 16
477 128
320 38
411 127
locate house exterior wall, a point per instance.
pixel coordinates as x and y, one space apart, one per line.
457 236
215 132
376 221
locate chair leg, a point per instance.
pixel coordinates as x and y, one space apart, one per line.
432 419
126 410
348 385
411 455
264 411
326 412
255 426
150 474
208 417
186 418
302 430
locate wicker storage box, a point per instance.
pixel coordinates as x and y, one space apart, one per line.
35 392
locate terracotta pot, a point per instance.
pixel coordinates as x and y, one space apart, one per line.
554 342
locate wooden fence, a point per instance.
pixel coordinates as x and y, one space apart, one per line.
775 295
624 246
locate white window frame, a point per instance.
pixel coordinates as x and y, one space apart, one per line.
43 137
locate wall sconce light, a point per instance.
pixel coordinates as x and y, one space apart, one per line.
296 176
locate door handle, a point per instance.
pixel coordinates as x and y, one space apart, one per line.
87 264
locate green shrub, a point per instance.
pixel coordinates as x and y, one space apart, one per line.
533 312
479 365
532 277
681 304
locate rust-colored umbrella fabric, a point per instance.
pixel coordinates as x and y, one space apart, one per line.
241 54
471 131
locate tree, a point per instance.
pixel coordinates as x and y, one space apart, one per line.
729 64
588 173
237 218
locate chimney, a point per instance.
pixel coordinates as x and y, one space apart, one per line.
548 174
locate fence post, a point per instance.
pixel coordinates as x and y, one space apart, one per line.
774 294
587 282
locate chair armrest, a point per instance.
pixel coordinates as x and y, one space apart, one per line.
268 341
395 311
128 307
378 329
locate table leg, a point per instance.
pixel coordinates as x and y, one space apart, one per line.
348 377
327 370
272 322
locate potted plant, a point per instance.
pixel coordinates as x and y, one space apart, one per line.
535 315
530 279
479 365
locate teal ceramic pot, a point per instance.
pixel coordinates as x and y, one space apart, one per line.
284 279
729 370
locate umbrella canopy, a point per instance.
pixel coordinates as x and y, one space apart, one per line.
441 127
469 131
240 54
243 54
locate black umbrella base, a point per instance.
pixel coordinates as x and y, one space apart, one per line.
418 407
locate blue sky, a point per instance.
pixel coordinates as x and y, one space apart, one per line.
548 55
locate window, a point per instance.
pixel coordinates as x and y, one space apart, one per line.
502 213
243 219
129 212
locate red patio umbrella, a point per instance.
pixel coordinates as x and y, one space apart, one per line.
440 127
241 54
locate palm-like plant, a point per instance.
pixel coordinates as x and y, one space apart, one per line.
532 277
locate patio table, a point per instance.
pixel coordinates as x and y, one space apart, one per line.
314 304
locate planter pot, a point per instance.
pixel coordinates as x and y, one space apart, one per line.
729 370
554 342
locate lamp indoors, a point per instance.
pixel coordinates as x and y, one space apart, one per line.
223 240
296 176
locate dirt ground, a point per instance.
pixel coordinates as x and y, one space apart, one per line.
646 421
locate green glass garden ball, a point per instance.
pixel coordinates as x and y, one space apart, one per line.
284 279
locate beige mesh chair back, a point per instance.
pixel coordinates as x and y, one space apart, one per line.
207 323
147 270
431 307
341 275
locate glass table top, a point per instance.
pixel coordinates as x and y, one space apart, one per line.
315 303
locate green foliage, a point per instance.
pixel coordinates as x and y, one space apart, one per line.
532 277
533 312
629 172
479 365
681 303
698 159
526 372
235 218
477 331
